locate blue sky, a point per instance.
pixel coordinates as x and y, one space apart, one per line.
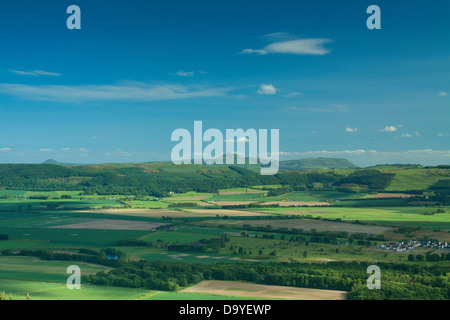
116 90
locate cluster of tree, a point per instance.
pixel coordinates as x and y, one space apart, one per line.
443 185
182 205
212 245
186 247
431 257
4 237
279 191
373 179
39 197
442 197
100 258
250 205
133 243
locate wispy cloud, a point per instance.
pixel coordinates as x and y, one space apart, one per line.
348 129
84 150
292 94
5 149
267 89
132 91
35 73
407 135
119 152
311 46
442 94
185 74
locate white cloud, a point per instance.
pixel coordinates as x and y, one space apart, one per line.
407 135
35 73
267 89
186 74
46 150
251 51
131 91
443 134
240 139
5 149
348 129
313 46
388 129
442 94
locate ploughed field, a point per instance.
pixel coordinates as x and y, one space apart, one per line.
264 291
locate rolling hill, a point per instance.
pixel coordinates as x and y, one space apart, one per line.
315 164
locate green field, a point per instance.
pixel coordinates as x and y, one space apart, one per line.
417 179
30 268
59 291
39 290
69 238
191 296
388 214
319 235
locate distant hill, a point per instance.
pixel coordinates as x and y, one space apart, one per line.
302 164
316 163
51 161
289 165
161 178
